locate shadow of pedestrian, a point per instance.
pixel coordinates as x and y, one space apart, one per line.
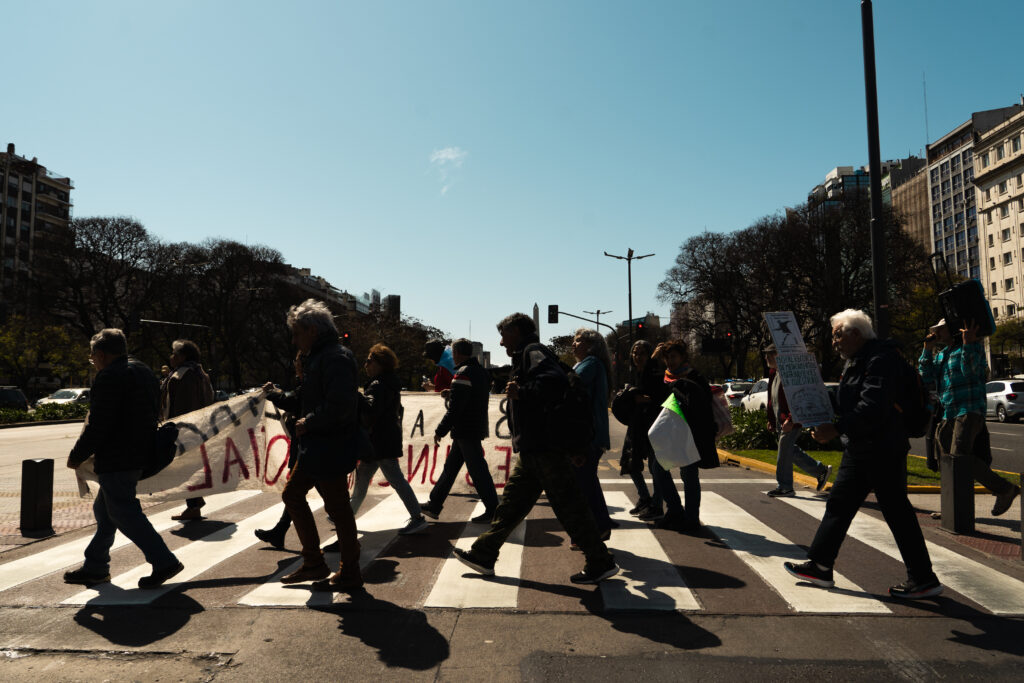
138 626
993 632
403 638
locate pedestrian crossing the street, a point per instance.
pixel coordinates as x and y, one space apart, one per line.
739 561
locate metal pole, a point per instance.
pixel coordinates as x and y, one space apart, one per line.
596 313
878 280
628 258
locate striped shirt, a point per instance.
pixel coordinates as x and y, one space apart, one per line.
959 374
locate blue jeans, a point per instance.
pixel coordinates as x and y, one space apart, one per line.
392 471
470 452
790 454
117 509
664 489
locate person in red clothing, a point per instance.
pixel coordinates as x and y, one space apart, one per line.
441 354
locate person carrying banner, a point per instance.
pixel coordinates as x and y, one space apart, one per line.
959 371
874 459
330 442
187 388
439 353
780 421
466 419
537 383
119 433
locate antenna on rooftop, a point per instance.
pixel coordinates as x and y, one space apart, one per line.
924 88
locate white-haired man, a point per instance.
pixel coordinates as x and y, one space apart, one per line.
874 458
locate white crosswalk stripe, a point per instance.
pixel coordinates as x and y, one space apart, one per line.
647 579
377 528
763 550
66 555
459 586
993 590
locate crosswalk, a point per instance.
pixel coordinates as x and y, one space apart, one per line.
739 563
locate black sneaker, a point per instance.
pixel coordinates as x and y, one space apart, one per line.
480 565
270 537
428 510
823 478
914 590
483 518
158 576
808 571
80 576
651 514
596 574
1005 500
779 492
639 507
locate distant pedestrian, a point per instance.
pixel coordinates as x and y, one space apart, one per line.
329 436
780 421
119 432
960 371
874 458
693 393
594 367
381 412
439 353
537 382
467 421
187 388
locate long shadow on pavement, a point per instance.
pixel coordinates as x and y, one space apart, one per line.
139 626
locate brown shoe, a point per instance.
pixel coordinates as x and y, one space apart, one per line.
1005 500
190 514
307 573
339 583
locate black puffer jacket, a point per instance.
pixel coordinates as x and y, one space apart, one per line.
467 408
381 414
694 396
121 425
541 382
868 423
328 400
636 448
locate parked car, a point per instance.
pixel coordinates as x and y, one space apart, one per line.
13 397
735 390
756 397
66 396
1004 399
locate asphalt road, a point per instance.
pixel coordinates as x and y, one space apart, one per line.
1007 441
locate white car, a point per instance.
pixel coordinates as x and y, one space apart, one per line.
756 397
734 392
66 396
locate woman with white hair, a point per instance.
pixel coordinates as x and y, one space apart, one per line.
594 368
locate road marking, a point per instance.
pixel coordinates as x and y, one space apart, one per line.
454 589
67 554
647 579
993 590
997 448
378 527
763 549
703 481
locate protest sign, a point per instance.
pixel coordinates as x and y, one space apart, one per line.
808 399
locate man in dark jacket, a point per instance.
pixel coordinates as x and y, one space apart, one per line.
330 440
537 383
466 419
187 388
119 433
874 458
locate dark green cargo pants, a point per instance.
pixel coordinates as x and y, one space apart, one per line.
533 474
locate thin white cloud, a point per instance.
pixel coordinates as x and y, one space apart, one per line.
446 162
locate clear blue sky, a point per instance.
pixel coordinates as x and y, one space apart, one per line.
478 157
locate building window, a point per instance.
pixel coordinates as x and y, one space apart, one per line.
988 218
955 164
1004 187
946 187
995 309
938 245
947 222
1016 144
935 175
991 241
988 193
976 272
972 233
995 288
935 193
947 205
1004 211
992 266
984 160
1010 309
968 174
1008 258
949 243
971 213
968 191
945 168
1000 152
1006 234
1008 284
958 218
958 182
972 254
968 155
961 239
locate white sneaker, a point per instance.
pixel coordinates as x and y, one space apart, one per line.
415 526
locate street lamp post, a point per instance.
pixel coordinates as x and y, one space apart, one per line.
875 174
628 258
596 313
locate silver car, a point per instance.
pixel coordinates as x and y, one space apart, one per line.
1004 399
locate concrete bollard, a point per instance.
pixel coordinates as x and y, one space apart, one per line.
957 502
37 498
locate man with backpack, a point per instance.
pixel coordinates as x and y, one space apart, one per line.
538 384
874 458
959 372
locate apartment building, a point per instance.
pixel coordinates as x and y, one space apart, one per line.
999 178
35 209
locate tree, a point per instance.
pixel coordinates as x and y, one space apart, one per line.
26 346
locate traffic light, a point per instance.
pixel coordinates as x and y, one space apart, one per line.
640 329
346 338
553 314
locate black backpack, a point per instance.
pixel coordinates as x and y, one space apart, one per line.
571 418
913 401
164 446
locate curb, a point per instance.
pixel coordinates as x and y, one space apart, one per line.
725 457
10 425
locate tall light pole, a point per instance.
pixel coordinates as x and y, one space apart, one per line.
597 313
628 258
878 278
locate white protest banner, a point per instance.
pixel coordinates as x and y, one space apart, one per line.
240 443
806 394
